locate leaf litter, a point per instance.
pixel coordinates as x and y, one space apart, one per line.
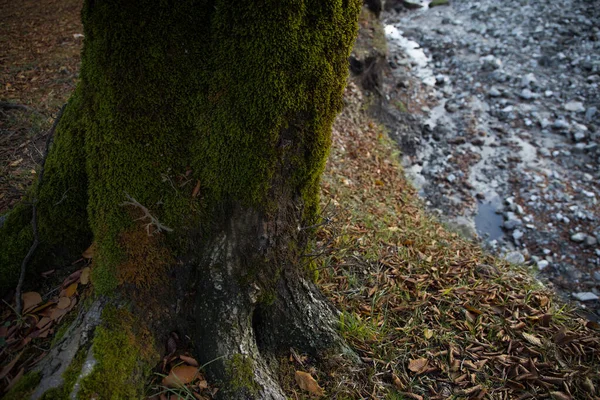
431 313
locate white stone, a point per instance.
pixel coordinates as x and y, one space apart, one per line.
542 264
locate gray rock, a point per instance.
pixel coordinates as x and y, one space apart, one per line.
512 224
596 275
590 241
527 94
561 124
579 136
517 234
541 264
574 106
585 296
451 178
527 80
578 237
494 92
515 257
589 114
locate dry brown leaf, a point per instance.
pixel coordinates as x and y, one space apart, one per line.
534 340
30 300
57 313
71 290
16 162
560 396
10 366
15 379
196 189
418 365
89 252
397 382
189 360
308 383
63 303
85 276
43 322
202 385
180 376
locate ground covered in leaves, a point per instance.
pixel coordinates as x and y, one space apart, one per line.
430 314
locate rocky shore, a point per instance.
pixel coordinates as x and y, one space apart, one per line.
495 105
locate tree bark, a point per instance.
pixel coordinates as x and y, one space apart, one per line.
193 147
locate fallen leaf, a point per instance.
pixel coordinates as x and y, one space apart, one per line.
532 339
9 366
16 162
43 322
57 313
70 290
85 276
30 300
74 277
180 376
308 383
428 333
196 190
15 379
48 273
560 396
89 252
397 382
189 360
418 365
203 384
63 303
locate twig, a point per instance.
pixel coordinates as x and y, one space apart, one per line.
153 220
36 239
13 106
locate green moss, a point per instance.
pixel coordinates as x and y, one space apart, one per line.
436 3
61 207
241 374
24 387
210 92
122 360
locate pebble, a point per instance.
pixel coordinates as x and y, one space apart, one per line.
575 106
585 296
541 264
578 237
561 124
589 114
517 234
596 275
515 257
527 94
591 241
494 92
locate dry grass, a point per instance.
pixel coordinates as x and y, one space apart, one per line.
432 314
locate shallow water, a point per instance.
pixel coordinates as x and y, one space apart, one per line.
487 222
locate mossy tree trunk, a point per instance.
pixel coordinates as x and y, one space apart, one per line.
192 151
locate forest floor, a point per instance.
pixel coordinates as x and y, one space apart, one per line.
431 314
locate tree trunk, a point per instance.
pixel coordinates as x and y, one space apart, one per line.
192 151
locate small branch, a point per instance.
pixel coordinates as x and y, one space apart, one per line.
13 106
36 239
153 220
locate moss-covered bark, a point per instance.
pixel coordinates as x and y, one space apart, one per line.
61 206
203 127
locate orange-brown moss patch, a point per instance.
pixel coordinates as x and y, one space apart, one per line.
147 258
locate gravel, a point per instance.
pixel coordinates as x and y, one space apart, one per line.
512 114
